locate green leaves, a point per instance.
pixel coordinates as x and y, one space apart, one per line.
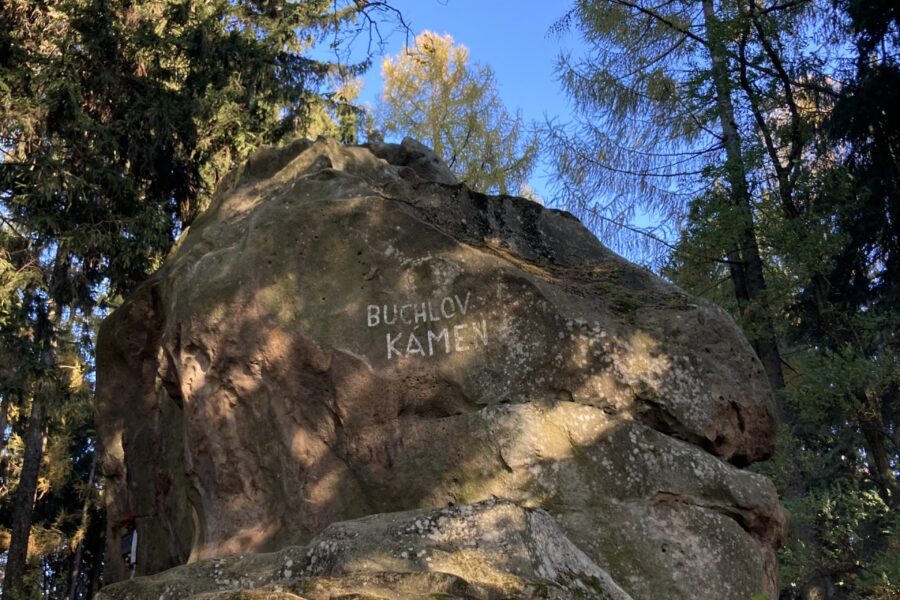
683 104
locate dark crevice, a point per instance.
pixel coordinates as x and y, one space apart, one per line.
759 529
653 414
740 418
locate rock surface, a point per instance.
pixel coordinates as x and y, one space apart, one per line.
347 331
490 550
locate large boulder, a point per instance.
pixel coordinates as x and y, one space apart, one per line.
347 331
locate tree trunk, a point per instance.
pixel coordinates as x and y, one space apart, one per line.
871 424
23 504
85 523
24 499
746 268
95 545
4 420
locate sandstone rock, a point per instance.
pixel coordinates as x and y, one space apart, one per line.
490 550
346 331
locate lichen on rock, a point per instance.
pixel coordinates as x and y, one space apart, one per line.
490 550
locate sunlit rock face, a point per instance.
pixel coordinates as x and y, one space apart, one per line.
347 331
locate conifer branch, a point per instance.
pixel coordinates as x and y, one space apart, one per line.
662 19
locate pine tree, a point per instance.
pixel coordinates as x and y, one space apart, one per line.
658 121
727 117
117 119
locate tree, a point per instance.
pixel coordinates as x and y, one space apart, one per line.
725 118
117 119
432 94
335 114
54 404
657 123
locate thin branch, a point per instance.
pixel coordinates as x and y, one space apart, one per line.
648 173
365 5
665 21
714 285
661 56
691 153
753 97
789 366
785 6
616 81
806 85
595 213
13 228
787 84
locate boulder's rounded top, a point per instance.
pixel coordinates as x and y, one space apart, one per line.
378 163
416 156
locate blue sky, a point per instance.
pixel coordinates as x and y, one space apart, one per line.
511 36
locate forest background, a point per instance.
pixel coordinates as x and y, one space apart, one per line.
744 149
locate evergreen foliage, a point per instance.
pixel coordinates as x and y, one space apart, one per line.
117 119
754 129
